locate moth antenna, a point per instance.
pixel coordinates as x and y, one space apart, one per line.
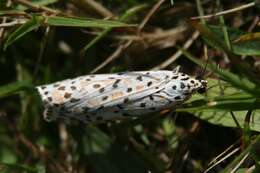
202 74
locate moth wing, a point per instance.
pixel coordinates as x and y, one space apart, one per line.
60 96
132 86
75 96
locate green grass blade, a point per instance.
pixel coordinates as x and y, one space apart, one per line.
219 101
105 155
123 18
14 88
20 167
37 3
216 37
29 26
237 81
246 48
82 22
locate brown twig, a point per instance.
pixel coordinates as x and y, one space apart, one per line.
229 154
242 7
8 4
149 15
14 13
10 24
120 49
239 163
36 7
113 56
176 55
99 8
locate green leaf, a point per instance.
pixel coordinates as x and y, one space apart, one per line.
22 30
219 101
130 12
14 88
105 155
248 37
20 167
243 67
37 3
240 82
82 22
36 21
240 48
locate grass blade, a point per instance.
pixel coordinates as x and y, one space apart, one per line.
234 79
82 22
123 18
29 26
15 87
217 41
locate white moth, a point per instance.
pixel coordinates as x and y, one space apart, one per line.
97 98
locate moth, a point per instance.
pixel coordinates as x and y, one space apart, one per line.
102 97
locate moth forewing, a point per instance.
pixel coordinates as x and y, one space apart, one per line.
95 98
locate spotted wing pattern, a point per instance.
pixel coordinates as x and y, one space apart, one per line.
95 98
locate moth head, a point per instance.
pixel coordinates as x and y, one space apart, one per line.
184 85
203 86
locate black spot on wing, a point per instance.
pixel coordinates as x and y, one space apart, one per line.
143 105
101 90
73 100
104 98
184 79
177 98
129 90
96 85
182 85
67 95
149 83
115 84
174 77
62 88
73 88
49 99
140 78
126 100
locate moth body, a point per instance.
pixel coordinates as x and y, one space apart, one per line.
97 98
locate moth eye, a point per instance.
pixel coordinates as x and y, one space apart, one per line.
202 90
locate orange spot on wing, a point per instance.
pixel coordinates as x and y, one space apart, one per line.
139 87
93 103
83 85
126 82
116 95
57 97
